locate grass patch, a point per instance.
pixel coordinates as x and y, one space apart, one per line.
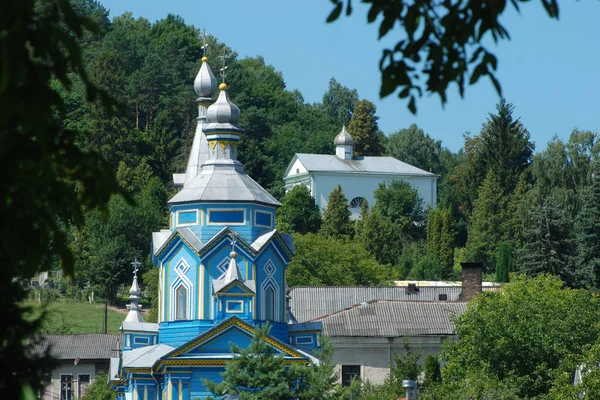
71 317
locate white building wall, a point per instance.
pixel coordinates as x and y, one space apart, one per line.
363 185
82 368
375 355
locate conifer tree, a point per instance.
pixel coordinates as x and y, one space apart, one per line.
440 239
363 128
504 262
549 246
588 230
485 229
336 216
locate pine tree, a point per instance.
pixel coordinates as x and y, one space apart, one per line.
504 262
363 128
336 216
588 231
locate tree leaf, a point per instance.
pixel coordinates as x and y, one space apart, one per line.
335 13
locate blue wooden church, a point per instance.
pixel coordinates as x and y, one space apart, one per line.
222 270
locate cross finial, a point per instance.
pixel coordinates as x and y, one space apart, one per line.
224 57
136 264
202 36
233 241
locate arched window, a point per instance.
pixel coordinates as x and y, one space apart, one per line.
270 304
181 295
357 202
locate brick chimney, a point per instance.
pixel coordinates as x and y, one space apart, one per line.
471 280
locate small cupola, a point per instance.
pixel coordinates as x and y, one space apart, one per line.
205 83
344 144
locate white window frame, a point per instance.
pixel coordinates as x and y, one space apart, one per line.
141 340
243 223
298 338
228 310
188 223
270 214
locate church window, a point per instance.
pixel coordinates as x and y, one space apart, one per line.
187 218
230 217
270 304
357 202
263 219
181 303
304 340
235 306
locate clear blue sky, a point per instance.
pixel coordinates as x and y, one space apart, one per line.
550 70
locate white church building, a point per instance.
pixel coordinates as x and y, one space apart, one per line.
358 176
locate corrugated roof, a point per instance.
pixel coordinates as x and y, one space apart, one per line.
84 346
377 165
310 302
388 318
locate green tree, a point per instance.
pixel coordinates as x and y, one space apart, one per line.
257 372
395 219
339 102
42 166
326 260
150 288
520 336
549 246
413 146
336 216
407 366
485 228
586 365
504 262
433 373
451 37
298 212
440 239
364 130
587 231
99 390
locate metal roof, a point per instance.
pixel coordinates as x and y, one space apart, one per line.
365 165
223 180
84 346
145 357
310 302
389 318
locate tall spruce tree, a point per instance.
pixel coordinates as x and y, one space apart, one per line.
363 128
587 232
336 216
485 230
549 247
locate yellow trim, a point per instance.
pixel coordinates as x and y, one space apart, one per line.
201 217
212 144
170 389
138 370
223 144
244 326
253 271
